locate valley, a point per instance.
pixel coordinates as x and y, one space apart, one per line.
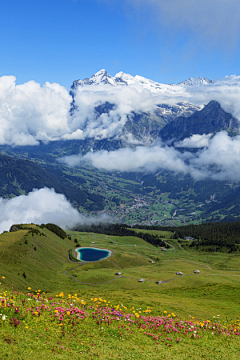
164 198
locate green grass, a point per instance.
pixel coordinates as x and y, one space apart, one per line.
41 258
68 326
163 234
215 291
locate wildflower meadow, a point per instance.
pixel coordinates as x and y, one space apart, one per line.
54 308
63 326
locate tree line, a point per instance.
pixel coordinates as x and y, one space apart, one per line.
218 234
121 230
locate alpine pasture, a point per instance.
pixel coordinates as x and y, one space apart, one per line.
55 307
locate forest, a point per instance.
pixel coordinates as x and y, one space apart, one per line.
218 234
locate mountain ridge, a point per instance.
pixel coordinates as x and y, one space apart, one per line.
211 119
121 79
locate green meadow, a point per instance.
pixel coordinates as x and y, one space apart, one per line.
86 307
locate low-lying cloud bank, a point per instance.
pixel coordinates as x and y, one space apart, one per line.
43 206
220 160
30 113
194 141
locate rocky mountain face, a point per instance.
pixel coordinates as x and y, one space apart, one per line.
170 123
211 119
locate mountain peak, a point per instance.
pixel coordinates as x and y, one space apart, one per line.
122 79
119 74
211 119
102 72
103 78
214 103
196 81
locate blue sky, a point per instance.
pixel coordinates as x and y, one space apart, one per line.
166 41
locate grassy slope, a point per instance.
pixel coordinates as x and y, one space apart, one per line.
41 258
204 294
214 291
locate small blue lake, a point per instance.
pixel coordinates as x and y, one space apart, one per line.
92 254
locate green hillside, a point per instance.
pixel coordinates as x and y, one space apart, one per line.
56 309
36 257
33 255
19 176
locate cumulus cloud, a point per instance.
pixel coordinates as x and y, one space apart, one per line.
226 91
194 141
214 20
219 161
42 206
126 99
29 112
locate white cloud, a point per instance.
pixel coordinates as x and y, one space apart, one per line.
226 91
42 206
219 161
195 141
126 100
76 135
214 20
29 112
140 159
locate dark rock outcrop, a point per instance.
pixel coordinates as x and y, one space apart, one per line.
14 228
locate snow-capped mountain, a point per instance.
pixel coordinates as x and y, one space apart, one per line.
198 81
122 79
128 107
171 112
127 110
